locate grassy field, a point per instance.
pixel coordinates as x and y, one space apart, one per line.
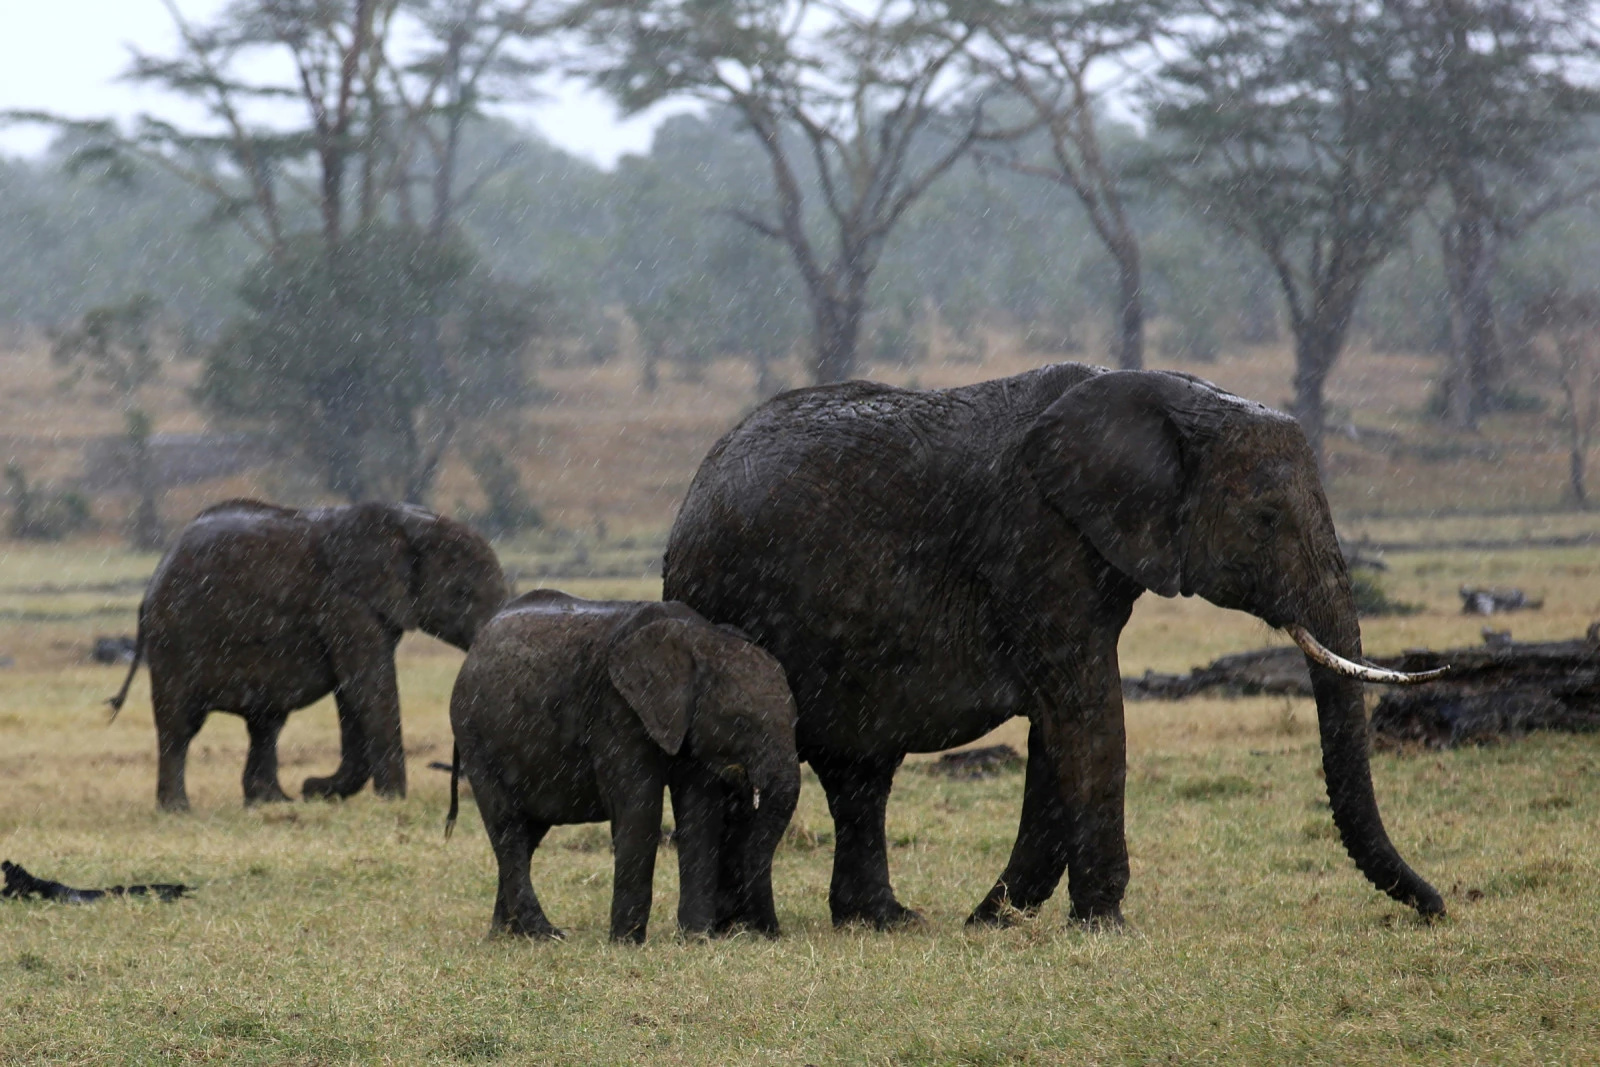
338 933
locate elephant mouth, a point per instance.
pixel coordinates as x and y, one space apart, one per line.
1315 651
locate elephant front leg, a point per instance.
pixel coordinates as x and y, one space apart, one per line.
635 837
858 799
1090 756
697 809
261 765
369 711
1043 844
354 758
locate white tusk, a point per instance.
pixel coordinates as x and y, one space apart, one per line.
755 799
1312 648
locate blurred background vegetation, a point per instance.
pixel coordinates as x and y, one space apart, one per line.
388 290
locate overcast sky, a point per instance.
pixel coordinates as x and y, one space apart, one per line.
65 55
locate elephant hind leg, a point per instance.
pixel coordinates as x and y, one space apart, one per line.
858 798
514 837
1039 857
178 718
261 765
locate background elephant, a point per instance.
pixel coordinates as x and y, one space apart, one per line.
260 610
571 710
926 565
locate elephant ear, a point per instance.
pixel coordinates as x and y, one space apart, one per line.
369 556
654 670
1109 455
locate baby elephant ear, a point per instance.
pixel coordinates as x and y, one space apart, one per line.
653 669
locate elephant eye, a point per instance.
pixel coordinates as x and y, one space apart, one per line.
1264 523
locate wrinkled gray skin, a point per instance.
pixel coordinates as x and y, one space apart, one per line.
926 565
260 610
571 711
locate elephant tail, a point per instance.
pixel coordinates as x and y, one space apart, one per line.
117 701
455 790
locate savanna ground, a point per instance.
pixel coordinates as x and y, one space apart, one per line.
352 932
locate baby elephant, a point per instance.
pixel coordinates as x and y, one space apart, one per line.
570 710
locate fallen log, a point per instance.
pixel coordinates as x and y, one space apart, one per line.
1503 689
1264 670
973 763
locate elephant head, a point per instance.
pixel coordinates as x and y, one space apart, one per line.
1185 488
705 687
416 569
709 691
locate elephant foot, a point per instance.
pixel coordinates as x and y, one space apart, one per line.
332 788
272 794
998 916
177 805
735 927
885 917
1101 917
533 930
390 781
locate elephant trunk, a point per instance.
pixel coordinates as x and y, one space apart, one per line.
1342 723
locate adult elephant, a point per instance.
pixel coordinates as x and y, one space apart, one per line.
927 564
259 610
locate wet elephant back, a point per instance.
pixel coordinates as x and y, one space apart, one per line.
230 614
533 685
846 528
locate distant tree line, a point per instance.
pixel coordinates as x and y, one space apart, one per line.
368 283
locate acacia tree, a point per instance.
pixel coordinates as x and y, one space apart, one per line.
857 108
1512 100
1054 56
360 101
1304 126
467 53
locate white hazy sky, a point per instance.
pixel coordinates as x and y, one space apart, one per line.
65 56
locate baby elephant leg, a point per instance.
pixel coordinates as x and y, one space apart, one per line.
697 818
513 838
635 837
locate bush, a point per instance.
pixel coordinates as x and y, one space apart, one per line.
509 511
1371 600
44 514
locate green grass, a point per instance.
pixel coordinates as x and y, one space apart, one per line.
337 933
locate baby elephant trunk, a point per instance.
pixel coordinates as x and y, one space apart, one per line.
747 893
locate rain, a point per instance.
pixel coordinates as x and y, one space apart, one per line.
801 531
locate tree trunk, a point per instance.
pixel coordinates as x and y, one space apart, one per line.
1318 342
838 333
145 532
1468 248
1130 306
1314 353
1577 441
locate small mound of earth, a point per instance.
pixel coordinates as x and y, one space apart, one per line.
973 763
